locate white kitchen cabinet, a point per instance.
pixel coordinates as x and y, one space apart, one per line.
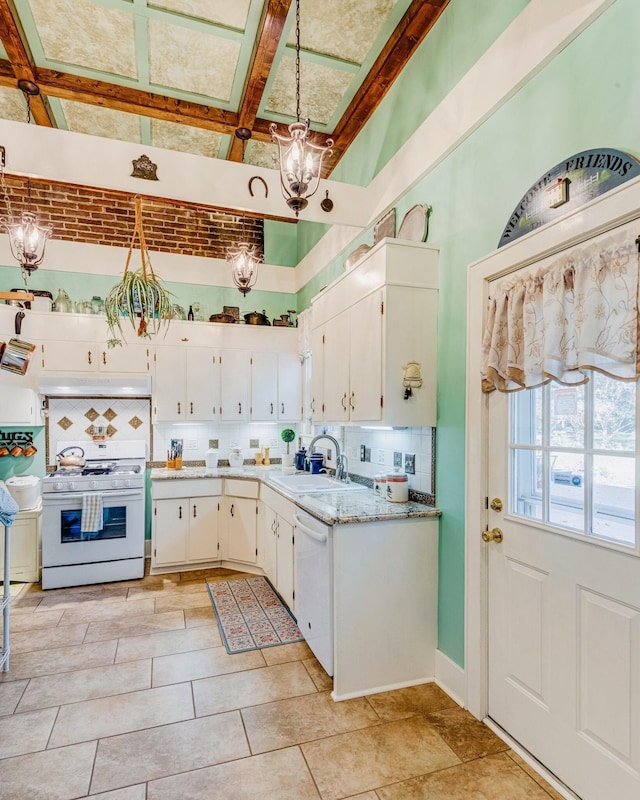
19 405
235 377
186 384
241 521
276 387
26 537
367 326
128 359
277 553
185 522
91 357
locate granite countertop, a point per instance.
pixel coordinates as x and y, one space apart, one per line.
332 508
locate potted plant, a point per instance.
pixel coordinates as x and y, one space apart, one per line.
139 295
287 436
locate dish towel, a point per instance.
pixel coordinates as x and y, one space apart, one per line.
91 513
8 506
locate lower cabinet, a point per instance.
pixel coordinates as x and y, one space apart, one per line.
278 543
186 521
241 521
25 547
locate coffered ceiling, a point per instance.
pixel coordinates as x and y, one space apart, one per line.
185 74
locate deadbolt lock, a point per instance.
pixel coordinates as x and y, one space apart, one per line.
496 504
494 535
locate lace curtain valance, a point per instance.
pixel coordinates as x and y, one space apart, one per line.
578 314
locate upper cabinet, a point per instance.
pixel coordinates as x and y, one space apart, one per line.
276 387
186 385
374 338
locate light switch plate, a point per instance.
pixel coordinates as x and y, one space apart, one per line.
380 456
367 454
410 463
363 456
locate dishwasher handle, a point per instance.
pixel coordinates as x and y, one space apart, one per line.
319 537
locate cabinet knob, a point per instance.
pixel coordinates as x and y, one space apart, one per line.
343 402
179 512
271 405
352 400
179 409
239 408
89 357
231 509
195 513
282 408
191 407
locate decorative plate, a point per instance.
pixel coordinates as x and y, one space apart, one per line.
353 258
415 224
385 227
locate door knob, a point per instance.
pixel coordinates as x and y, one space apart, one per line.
494 535
496 504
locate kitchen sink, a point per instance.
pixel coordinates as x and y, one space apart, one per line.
307 484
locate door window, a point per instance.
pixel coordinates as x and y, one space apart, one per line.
573 458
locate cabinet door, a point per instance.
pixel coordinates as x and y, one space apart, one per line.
169 383
317 374
289 387
365 349
203 528
269 553
242 529
24 550
72 356
203 385
19 406
285 561
235 370
264 387
170 531
336 369
130 358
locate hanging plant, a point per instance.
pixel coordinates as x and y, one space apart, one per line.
139 295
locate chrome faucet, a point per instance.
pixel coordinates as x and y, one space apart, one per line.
342 471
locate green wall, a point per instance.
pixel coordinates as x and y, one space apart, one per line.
587 97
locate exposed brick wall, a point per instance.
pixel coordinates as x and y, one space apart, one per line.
97 216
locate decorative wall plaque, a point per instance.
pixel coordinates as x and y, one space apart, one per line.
144 167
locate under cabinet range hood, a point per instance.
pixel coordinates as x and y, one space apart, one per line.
95 386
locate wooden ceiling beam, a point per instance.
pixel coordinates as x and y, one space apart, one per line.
21 62
266 45
414 26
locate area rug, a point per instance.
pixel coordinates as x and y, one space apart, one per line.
251 615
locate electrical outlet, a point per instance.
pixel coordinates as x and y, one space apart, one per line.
363 453
213 444
397 459
380 456
273 443
192 444
254 443
410 463
367 454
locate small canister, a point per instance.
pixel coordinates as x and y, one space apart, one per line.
397 487
317 462
380 484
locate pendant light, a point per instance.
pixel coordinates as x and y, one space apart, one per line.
243 257
27 239
300 158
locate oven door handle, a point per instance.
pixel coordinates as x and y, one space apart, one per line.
108 494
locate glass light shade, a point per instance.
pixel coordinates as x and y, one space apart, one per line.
244 266
28 240
300 163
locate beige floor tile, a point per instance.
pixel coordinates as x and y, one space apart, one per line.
496 777
109 716
281 775
165 590
322 681
62 659
24 604
297 651
61 774
177 602
168 750
401 703
194 617
46 638
202 664
466 736
134 648
85 596
25 733
533 774
28 622
364 760
303 719
139 625
87 684
10 694
138 792
239 689
105 611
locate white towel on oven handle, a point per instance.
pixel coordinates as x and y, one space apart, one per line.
91 512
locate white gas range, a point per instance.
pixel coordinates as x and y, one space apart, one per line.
93 516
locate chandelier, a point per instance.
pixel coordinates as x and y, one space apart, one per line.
243 257
300 159
27 239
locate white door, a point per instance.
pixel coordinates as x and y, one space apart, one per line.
130 358
365 344
203 528
285 561
264 387
169 383
170 531
203 385
289 387
564 584
242 529
235 371
336 369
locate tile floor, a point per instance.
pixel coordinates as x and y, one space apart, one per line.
124 691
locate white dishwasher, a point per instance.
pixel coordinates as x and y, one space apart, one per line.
314 585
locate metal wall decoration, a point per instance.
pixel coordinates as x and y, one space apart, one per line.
567 186
262 181
144 168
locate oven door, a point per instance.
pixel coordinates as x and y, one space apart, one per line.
120 537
